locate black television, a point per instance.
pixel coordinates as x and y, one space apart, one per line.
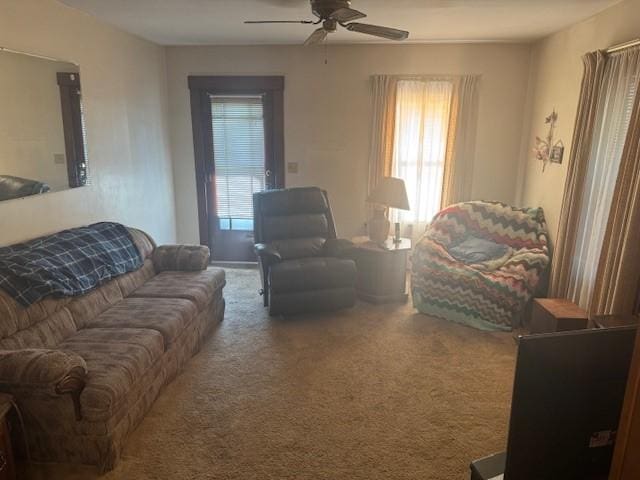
567 398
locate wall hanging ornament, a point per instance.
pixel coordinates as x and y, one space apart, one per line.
545 149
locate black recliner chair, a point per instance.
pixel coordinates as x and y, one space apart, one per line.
303 266
17 187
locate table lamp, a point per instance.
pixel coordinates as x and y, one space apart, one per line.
390 192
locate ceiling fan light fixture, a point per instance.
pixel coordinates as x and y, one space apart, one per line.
330 25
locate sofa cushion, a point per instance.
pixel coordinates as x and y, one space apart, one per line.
199 287
312 274
15 317
144 242
47 333
169 316
132 280
116 360
87 307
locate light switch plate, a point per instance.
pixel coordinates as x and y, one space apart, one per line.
292 167
59 158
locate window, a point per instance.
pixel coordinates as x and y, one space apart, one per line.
612 123
423 109
239 157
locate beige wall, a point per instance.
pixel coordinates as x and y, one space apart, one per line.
556 75
327 115
124 93
328 110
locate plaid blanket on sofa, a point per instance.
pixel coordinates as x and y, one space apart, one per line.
68 263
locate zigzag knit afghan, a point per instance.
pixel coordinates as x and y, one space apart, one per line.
485 299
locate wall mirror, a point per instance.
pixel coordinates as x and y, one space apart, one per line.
42 134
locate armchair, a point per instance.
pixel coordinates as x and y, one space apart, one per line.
303 266
489 295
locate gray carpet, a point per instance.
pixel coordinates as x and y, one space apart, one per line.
376 392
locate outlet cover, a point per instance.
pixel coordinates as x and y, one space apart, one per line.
292 167
59 158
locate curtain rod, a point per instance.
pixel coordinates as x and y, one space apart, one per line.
35 55
623 46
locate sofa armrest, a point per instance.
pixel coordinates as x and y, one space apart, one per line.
52 372
338 247
186 258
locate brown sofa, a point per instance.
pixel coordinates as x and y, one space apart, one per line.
85 370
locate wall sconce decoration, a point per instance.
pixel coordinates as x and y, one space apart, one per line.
545 149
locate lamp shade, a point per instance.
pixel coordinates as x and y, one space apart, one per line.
391 192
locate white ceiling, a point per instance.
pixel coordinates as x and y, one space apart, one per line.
219 22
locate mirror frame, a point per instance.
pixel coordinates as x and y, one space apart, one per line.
72 122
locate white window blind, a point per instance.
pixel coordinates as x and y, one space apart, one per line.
83 170
238 151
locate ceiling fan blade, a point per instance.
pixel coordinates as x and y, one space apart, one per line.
316 37
378 31
343 15
306 22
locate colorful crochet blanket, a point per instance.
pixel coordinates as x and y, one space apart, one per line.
488 298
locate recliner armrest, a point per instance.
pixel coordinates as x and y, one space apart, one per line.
267 253
338 247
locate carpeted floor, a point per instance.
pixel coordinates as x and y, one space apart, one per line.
376 392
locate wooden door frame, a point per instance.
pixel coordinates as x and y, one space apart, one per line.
201 87
626 460
69 85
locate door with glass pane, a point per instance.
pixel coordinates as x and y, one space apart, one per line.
238 139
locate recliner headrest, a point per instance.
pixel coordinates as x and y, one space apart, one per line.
292 201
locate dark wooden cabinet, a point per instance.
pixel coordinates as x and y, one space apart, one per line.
7 465
382 270
625 464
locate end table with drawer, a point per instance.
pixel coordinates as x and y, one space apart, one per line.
557 315
382 269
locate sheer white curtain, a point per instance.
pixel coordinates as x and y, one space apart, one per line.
423 108
612 121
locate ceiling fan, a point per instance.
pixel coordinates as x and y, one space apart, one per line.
332 13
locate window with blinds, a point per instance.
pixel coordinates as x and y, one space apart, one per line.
239 156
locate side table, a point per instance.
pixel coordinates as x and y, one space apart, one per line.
382 269
613 321
7 465
556 315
